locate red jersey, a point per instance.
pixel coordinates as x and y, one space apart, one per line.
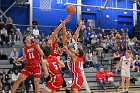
53 65
76 66
108 74
100 75
54 48
32 54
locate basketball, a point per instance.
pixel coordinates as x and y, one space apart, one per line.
71 9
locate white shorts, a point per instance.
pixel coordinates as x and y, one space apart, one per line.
125 73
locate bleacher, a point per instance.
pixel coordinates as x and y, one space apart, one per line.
89 72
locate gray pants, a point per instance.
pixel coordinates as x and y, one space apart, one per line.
112 83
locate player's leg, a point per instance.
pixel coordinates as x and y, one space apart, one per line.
37 85
123 85
64 85
127 83
17 82
74 90
85 84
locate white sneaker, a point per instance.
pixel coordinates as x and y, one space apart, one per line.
3 91
9 91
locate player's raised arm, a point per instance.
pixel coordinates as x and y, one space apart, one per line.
60 26
60 62
44 66
64 39
76 34
39 50
119 64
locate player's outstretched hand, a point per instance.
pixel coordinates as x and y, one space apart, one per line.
68 18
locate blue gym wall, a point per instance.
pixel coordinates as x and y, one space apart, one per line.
99 16
20 15
138 17
53 17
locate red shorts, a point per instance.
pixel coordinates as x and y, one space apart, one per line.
77 81
34 69
55 83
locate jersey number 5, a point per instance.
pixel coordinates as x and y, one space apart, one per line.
55 66
31 55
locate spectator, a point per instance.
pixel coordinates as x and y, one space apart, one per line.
137 63
5 82
131 44
3 56
116 56
15 76
34 23
100 78
18 35
89 58
118 36
13 55
4 36
11 35
36 33
1 24
110 78
27 31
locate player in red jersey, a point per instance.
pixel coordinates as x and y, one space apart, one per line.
31 53
51 66
76 66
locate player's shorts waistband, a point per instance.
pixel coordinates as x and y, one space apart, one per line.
57 75
33 63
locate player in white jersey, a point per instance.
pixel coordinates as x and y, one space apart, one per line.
125 63
71 41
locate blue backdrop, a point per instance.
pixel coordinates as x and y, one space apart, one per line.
20 15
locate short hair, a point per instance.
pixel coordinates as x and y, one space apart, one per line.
68 30
24 38
129 51
47 50
80 52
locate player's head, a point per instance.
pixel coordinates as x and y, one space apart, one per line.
128 53
80 52
27 39
101 70
47 50
69 33
60 49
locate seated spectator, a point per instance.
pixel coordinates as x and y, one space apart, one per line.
116 56
110 78
18 35
34 23
13 55
1 24
36 33
5 82
131 44
89 58
133 79
27 31
100 78
15 76
118 36
137 63
3 36
3 56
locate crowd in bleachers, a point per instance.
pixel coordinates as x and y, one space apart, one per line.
115 42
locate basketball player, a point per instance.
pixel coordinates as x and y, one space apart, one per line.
125 63
76 66
51 65
52 41
72 42
31 53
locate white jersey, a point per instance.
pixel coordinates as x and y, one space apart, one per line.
73 44
126 63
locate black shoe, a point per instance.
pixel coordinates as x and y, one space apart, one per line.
126 91
67 91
